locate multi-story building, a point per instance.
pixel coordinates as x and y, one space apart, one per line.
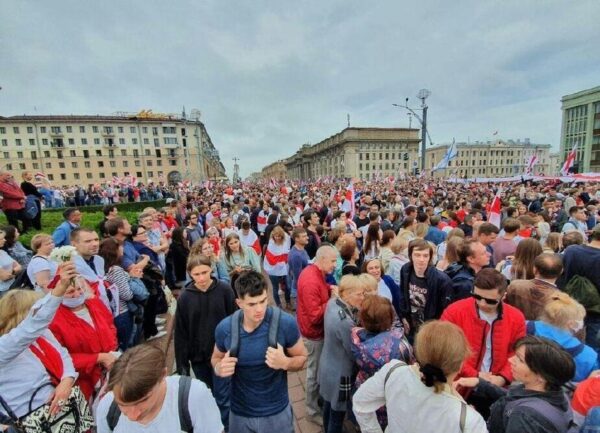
581 128
490 159
554 165
82 150
275 170
364 153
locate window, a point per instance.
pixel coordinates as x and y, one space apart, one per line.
43 129
96 141
55 129
170 140
111 153
159 163
31 142
2 130
30 129
72 153
86 153
157 152
95 129
156 142
88 175
149 163
69 129
121 141
84 141
48 165
76 176
132 129
16 129
172 162
4 142
74 164
59 154
134 141
6 155
147 152
61 165
113 164
33 154
35 166
120 129
138 173
154 131
20 155
71 141
146 141
18 142
387 156
137 163
125 164
46 154
123 152
136 153
102 176
50 177
145 129
98 152
82 129
86 164
8 166
169 130
360 166
150 174
100 164
22 165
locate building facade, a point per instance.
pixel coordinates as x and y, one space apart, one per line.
275 170
490 159
82 150
581 128
362 153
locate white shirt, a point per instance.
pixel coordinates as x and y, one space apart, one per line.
487 357
21 372
412 407
204 412
39 264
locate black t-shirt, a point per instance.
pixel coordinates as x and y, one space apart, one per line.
361 222
417 290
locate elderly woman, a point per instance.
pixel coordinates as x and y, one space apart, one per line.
84 326
236 257
537 404
378 342
337 362
421 392
9 267
35 370
14 247
41 270
562 318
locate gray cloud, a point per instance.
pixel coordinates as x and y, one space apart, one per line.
269 76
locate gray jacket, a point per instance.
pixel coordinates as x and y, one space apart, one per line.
336 363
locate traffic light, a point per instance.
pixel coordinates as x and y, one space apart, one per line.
406 156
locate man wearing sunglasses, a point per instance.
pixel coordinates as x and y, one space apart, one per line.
491 327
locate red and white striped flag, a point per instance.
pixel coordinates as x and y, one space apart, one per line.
530 164
116 180
350 198
569 161
495 209
40 175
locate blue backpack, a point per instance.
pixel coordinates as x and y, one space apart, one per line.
31 207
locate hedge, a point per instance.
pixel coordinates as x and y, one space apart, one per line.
123 207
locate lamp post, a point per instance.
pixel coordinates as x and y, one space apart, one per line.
422 95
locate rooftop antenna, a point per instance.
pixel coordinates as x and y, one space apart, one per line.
348 117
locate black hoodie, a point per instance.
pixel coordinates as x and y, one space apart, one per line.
198 314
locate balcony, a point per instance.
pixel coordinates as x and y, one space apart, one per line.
110 143
56 133
57 143
108 132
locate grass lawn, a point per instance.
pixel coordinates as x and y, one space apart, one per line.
51 219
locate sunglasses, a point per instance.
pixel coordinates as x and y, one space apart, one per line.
487 300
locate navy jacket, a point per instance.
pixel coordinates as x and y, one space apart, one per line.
462 278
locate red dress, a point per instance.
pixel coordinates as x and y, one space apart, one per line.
85 342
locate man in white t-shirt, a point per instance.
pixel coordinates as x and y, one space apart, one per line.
143 398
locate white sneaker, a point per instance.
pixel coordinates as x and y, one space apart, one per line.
160 321
159 335
160 328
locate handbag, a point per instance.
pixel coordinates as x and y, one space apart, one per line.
75 416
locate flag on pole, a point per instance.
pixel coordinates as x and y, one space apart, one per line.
530 164
451 153
350 198
495 209
569 161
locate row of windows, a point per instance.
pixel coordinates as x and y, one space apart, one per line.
579 111
387 146
381 166
77 176
96 129
367 156
59 142
171 153
100 164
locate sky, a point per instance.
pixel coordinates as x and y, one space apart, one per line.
269 76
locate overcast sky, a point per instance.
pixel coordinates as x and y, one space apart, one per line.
269 76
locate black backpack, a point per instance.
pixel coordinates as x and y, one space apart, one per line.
22 281
236 324
185 420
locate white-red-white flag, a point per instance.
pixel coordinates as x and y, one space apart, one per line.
569 161
350 198
533 159
495 209
40 175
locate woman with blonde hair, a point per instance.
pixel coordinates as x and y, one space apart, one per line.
452 253
276 263
41 270
553 243
421 392
563 317
203 247
36 372
400 258
441 248
336 364
520 267
385 251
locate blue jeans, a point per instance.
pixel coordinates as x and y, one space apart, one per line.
592 421
333 420
124 325
275 280
220 387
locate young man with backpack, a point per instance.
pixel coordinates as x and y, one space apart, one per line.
142 398
256 346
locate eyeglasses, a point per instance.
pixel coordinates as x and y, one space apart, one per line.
487 300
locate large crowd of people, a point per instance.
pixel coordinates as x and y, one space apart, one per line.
407 307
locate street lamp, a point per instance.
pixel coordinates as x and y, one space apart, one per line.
422 95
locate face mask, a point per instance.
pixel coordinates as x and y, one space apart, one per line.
74 302
578 326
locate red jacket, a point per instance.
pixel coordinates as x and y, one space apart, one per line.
13 197
506 330
313 295
85 342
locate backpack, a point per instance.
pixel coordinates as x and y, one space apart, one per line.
585 292
185 420
463 405
22 281
236 324
31 209
549 411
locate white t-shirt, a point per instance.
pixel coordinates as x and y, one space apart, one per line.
202 407
39 264
487 358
